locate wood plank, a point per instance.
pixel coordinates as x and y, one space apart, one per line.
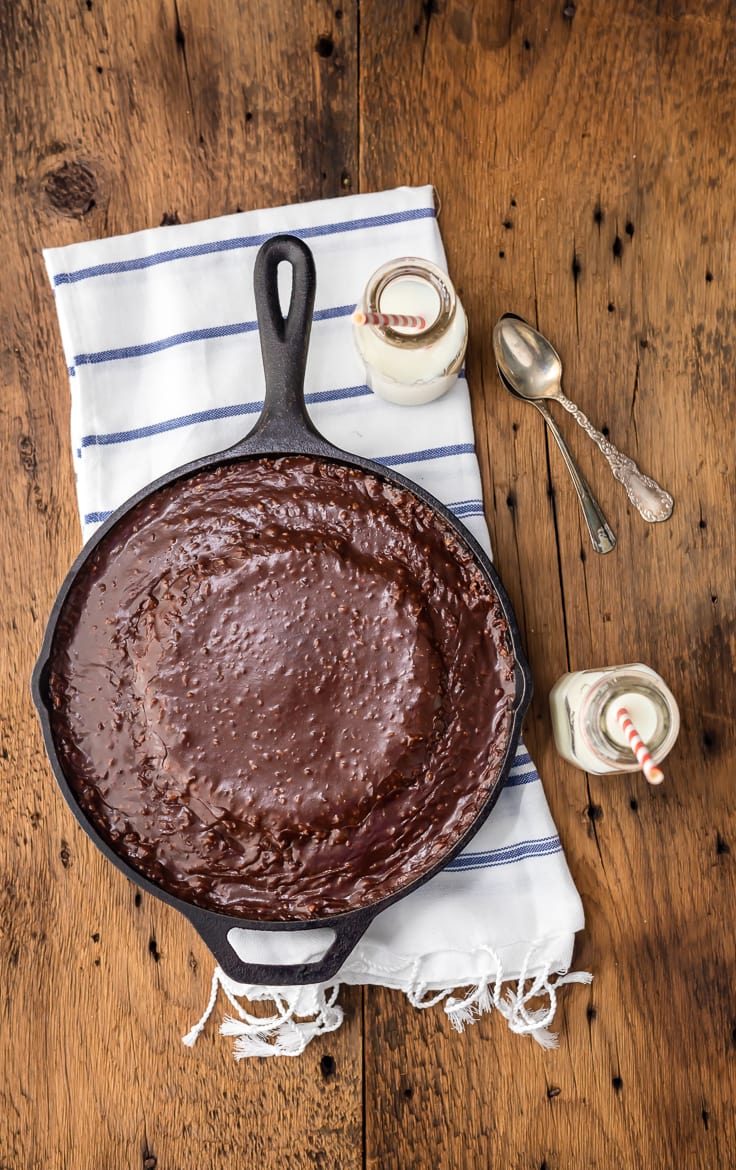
548 129
116 118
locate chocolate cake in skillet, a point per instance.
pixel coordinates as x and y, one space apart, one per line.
282 688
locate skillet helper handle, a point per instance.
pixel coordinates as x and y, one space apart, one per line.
348 934
284 339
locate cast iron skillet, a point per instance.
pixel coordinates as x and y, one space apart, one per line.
283 428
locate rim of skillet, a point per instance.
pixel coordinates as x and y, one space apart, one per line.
309 444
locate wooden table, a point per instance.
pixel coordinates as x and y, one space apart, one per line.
584 156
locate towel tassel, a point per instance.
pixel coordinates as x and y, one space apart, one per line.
279 1034
282 1034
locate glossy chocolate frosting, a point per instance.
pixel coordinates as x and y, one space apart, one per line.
281 689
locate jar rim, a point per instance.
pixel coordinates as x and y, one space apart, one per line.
604 692
424 269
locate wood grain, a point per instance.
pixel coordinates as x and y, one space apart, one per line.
584 157
584 164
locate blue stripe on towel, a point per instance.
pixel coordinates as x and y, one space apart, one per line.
516 779
470 507
237 242
207 334
541 847
466 510
236 410
464 503
171 424
427 453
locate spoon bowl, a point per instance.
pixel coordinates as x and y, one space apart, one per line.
530 366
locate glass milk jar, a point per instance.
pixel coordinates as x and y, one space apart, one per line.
410 364
583 707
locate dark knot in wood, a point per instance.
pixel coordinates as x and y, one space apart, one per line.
71 189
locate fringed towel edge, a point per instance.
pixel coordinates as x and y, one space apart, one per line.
283 1034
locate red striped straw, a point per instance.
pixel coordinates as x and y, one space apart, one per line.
393 320
653 774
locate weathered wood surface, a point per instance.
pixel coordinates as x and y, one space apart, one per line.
585 159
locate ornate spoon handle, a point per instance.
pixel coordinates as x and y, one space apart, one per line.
652 501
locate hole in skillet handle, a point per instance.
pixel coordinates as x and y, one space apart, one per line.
284 424
348 929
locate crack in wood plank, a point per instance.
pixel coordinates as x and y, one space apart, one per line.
181 44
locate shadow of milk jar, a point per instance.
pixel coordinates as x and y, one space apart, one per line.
411 331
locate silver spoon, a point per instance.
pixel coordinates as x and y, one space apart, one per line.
601 536
534 368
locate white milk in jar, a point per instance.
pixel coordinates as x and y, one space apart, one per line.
404 363
583 707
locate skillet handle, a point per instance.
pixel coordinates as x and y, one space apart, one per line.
215 929
284 341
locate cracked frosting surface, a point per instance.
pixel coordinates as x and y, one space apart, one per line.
281 689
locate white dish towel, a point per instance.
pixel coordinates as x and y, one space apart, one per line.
159 333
